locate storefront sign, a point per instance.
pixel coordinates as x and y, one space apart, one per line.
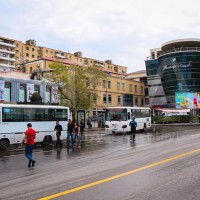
30 91
54 94
176 66
2 84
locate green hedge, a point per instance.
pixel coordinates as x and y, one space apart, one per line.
171 119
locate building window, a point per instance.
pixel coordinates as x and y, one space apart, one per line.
119 100
90 61
37 88
7 92
104 98
104 83
94 98
31 69
51 52
118 86
142 102
17 51
27 55
109 99
109 84
46 51
136 101
123 87
17 44
141 90
22 93
27 48
130 88
33 56
135 88
33 49
48 94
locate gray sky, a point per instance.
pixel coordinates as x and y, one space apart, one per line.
121 31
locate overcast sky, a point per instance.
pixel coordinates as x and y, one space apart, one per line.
123 31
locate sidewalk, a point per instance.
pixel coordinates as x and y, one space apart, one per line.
94 129
176 124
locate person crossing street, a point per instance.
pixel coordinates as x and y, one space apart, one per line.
133 125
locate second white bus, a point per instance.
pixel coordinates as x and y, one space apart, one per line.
118 118
14 119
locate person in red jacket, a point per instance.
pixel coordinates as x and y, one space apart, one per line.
30 143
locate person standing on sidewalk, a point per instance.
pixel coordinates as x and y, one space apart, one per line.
77 134
133 125
58 128
82 126
29 137
70 132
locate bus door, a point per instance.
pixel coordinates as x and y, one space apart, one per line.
18 137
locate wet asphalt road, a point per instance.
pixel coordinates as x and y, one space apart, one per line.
101 156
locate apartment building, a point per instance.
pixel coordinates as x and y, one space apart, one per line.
7 54
116 90
30 51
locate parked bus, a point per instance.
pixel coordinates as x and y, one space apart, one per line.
118 118
14 119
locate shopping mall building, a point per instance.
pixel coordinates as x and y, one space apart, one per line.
174 69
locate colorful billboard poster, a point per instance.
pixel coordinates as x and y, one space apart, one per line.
30 91
189 100
2 83
54 94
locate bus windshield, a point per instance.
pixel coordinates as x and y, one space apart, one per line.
116 114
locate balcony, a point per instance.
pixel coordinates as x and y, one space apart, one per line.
60 56
99 64
7 58
175 50
7 44
7 51
7 65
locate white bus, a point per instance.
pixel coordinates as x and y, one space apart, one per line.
14 119
118 118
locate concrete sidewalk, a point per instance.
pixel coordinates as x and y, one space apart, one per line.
94 129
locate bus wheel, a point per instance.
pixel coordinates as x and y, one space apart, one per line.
47 140
4 143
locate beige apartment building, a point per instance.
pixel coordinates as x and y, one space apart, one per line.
116 90
29 51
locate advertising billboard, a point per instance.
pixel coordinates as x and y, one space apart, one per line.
189 100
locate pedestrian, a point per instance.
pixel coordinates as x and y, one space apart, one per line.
89 123
29 137
70 132
58 128
133 125
76 133
82 126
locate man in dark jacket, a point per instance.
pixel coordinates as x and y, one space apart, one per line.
82 126
133 125
58 128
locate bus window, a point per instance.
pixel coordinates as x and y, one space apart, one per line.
12 115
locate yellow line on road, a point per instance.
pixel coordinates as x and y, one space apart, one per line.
117 176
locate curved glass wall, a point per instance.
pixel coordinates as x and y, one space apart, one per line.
179 72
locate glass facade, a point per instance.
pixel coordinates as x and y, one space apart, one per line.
178 72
